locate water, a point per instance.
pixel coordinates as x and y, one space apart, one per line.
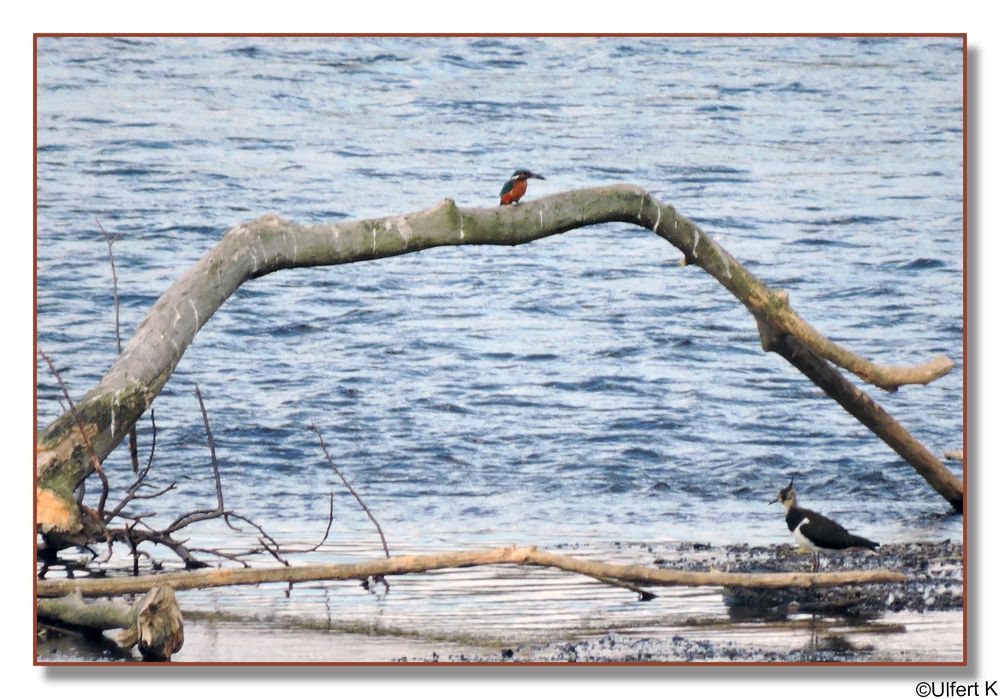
580 388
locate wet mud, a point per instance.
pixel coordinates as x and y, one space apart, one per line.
845 624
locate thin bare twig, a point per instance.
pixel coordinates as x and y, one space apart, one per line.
152 446
114 278
272 551
133 449
158 493
276 546
220 508
190 518
132 547
108 539
385 546
132 492
83 433
329 523
211 449
266 540
235 557
133 442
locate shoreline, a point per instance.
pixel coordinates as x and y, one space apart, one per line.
837 625
919 621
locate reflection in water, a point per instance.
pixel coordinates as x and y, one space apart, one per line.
821 641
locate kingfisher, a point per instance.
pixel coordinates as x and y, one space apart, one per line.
814 532
516 186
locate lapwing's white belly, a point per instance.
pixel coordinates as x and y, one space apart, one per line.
800 538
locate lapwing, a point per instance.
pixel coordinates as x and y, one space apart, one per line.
814 532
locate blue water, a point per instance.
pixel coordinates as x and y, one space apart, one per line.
580 387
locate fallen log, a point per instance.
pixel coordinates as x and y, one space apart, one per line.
871 415
67 447
153 623
402 565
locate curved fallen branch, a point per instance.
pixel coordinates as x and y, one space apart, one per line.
269 244
400 565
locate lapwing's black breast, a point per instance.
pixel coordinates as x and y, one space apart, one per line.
793 517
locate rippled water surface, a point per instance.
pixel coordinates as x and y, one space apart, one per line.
582 387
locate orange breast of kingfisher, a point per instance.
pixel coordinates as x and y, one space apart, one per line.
515 193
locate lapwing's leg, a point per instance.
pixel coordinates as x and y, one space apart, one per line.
815 561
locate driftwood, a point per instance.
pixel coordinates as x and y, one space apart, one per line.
399 565
153 623
108 411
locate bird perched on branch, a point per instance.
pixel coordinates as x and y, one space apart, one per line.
516 186
813 531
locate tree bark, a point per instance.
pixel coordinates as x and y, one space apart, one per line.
400 565
269 244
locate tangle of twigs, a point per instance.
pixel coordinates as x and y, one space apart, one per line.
136 531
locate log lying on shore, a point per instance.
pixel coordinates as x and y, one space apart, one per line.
401 565
154 622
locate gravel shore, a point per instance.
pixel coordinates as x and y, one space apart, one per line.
830 618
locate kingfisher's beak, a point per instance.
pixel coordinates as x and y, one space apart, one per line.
537 177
